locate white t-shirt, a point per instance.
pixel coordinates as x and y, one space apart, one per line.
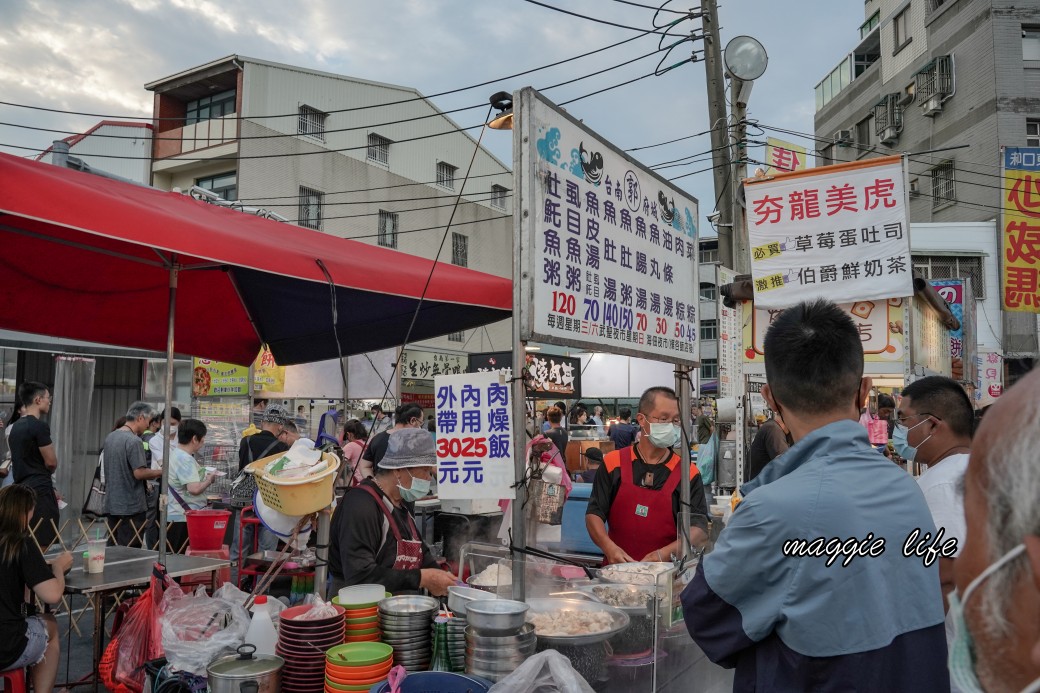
155 444
941 487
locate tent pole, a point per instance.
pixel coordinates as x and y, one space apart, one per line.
164 485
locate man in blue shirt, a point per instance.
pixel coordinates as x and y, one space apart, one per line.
623 433
809 587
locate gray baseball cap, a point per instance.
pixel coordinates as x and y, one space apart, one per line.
409 447
275 413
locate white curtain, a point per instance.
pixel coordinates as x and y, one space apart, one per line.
70 424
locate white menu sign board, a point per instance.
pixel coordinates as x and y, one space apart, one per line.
609 248
836 232
474 436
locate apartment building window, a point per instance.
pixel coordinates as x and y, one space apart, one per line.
1030 43
869 25
446 175
954 267
378 149
1033 133
457 337
935 4
310 208
459 249
312 123
208 107
901 29
709 330
388 224
825 155
709 255
498 197
223 184
943 186
865 134
709 292
709 369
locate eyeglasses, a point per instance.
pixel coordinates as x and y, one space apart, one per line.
901 420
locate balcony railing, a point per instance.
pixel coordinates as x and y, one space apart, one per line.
206 133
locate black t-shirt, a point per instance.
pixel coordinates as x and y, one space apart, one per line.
28 435
606 483
361 553
623 434
262 444
28 570
559 438
770 442
376 448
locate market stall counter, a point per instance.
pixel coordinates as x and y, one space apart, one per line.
127 568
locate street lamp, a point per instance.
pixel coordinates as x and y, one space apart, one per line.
745 59
502 102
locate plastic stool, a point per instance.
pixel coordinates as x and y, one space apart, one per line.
14 681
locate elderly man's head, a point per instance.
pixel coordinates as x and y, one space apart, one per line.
1001 492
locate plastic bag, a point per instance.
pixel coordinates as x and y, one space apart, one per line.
545 672
137 641
706 456
197 628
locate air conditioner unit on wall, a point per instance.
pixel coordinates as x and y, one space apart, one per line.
889 135
932 105
843 138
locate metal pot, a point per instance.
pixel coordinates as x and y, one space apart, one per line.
246 672
496 616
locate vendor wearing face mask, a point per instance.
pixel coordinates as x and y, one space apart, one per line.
374 536
637 492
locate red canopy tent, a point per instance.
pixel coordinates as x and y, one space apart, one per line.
88 258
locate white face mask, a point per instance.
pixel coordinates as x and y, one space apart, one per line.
663 435
961 658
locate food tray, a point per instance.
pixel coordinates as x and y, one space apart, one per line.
619 618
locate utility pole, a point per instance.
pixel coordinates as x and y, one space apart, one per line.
717 118
739 93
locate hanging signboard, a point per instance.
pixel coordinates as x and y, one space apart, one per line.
931 340
957 294
880 326
218 379
784 156
550 375
609 248
1021 225
730 337
268 376
989 383
836 232
427 365
474 436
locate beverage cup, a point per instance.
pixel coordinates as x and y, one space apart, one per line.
96 555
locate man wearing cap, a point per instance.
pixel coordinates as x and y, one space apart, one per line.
256 447
593 461
380 543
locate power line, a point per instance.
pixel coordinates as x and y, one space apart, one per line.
606 89
651 7
677 139
353 108
597 20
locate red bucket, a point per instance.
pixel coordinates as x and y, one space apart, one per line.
206 528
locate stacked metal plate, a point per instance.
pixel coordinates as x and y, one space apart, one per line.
405 623
456 628
496 656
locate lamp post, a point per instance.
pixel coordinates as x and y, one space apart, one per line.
746 60
503 103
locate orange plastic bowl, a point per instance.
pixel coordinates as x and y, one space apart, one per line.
341 671
334 681
361 613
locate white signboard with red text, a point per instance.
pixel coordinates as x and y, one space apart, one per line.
836 232
474 436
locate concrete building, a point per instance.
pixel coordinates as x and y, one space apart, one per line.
951 82
115 148
354 158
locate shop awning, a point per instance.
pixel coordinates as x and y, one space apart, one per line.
87 258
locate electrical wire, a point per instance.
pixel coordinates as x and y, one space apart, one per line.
611 88
651 7
597 20
449 92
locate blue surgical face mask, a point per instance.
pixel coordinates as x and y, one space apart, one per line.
961 657
419 489
664 435
902 446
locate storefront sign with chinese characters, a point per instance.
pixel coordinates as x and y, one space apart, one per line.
427 365
958 295
836 232
784 156
730 337
1021 225
474 437
549 375
931 340
989 382
218 379
268 376
613 255
880 325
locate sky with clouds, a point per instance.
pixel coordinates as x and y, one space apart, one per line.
94 56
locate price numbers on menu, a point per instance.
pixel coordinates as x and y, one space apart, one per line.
609 314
